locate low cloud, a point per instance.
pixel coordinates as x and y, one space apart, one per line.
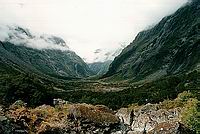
23 37
88 24
101 55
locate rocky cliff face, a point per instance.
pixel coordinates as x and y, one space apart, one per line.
170 47
45 54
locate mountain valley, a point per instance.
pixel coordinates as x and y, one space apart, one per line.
151 87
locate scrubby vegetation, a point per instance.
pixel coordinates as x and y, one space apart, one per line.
180 114
63 118
191 114
189 107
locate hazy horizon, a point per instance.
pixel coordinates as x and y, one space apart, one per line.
88 25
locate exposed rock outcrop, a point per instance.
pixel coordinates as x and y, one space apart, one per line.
67 118
150 119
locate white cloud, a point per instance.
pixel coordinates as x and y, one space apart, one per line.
87 25
23 37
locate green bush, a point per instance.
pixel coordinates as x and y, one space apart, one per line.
191 114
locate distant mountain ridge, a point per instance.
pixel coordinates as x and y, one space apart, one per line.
102 60
102 55
100 68
44 54
170 47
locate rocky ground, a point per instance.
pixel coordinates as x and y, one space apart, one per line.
68 118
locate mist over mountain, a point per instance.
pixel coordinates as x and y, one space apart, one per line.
102 55
46 54
150 86
22 36
103 58
83 24
170 47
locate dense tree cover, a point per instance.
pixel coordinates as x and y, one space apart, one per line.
36 91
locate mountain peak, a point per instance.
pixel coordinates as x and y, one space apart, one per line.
54 40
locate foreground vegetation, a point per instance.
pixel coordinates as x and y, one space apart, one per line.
36 90
191 109
66 117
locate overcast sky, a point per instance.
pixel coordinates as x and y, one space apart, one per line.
87 25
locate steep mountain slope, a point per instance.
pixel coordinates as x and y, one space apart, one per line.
100 68
170 47
45 54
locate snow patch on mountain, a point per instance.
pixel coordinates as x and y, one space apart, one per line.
102 55
23 37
